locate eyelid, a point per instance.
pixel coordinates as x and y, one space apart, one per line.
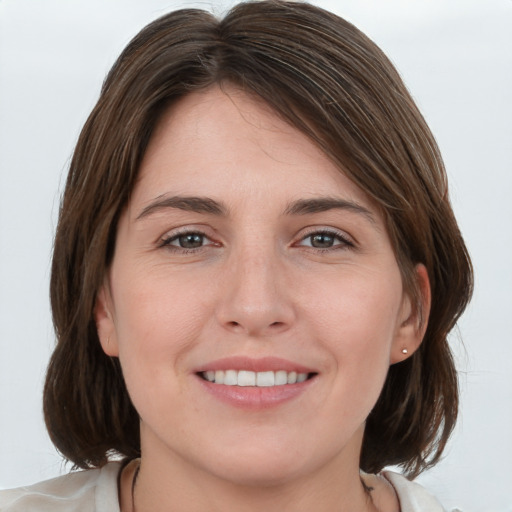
345 239
173 234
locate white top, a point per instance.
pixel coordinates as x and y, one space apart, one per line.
95 490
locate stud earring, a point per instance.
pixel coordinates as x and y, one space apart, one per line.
405 351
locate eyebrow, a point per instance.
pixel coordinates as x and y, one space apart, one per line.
189 204
212 207
323 204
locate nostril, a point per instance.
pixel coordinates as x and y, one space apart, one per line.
255 327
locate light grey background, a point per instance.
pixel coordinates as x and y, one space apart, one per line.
456 58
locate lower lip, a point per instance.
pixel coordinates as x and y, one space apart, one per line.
252 397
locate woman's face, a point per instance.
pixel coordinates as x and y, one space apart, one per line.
245 263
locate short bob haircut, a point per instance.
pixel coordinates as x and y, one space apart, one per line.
327 79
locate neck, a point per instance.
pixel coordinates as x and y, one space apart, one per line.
193 490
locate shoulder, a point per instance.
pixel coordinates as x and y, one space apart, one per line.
93 490
412 496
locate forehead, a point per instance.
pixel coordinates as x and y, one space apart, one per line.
227 142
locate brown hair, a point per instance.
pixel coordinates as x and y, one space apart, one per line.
327 79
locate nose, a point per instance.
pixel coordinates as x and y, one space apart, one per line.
255 297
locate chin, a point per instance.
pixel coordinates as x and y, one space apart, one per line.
262 473
264 462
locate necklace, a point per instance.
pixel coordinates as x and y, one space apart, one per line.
367 488
134 481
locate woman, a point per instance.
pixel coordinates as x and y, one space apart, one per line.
255 271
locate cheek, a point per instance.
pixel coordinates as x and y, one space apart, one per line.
356 322
156 323
359 311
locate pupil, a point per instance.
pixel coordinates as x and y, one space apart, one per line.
322 241
191 241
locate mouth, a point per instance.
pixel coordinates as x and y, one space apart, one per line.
255 384
247 378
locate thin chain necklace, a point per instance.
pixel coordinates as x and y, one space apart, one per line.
136 474
134 481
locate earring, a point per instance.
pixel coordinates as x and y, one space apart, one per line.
405 351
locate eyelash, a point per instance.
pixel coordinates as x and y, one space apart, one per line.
344 241
167 241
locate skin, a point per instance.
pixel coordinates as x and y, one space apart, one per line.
256 285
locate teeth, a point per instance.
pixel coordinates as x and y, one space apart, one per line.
281 378
246 378
265 379
258 379
231 378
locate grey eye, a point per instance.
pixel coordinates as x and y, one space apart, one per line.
189 240
326 240
322 240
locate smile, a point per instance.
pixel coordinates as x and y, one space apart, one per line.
246 378
255 383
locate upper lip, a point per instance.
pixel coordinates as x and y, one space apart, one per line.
254 364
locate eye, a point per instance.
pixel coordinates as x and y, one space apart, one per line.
188 241
326 240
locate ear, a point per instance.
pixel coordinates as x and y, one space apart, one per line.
105 324
413 319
